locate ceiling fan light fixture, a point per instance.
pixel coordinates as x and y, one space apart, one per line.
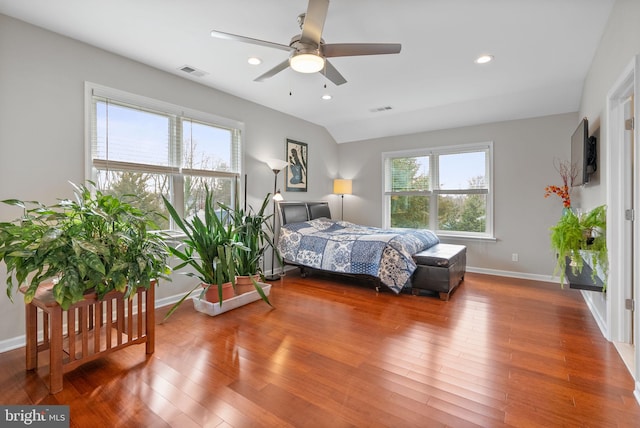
306 63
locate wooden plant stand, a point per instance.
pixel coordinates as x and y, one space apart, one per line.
88 330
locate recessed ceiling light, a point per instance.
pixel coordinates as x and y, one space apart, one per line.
326 97
254 60
483 59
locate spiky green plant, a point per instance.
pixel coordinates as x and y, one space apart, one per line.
254 231
210 248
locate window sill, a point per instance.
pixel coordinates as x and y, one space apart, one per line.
173 237
485 238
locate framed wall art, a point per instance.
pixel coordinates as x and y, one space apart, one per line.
296 175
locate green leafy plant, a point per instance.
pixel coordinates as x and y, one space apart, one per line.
94 242
254 231
594 224
573 234
211 248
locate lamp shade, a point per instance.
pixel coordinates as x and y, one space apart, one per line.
276 164
341 186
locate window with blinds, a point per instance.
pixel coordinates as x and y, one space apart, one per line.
142 149
447 190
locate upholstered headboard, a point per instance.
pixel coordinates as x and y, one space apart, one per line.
295 212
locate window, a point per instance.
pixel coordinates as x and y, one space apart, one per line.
150 149
447 190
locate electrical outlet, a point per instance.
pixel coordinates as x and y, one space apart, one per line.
514 257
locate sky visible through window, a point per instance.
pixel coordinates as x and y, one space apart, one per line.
134 135
207 146
144 137
459 169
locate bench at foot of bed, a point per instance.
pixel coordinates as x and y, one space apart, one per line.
440 269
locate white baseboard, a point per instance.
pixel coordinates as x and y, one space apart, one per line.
602 323
166 301
510 274
505 273
13 343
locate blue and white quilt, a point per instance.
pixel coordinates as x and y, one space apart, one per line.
340 246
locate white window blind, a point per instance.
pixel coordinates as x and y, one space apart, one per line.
150 149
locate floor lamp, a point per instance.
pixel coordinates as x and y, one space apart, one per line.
276 165
342 187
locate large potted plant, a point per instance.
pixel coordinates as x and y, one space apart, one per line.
91 255
210 249
95 242
253 230
576 237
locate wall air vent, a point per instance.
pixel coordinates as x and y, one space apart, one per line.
379 109
193 71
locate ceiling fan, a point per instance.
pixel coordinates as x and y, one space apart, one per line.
308 52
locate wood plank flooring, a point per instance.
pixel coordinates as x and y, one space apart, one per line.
334 353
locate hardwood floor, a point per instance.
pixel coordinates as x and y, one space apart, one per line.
501 352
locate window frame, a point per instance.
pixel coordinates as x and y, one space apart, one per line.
434 192
177 115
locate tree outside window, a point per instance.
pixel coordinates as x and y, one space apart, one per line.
446 190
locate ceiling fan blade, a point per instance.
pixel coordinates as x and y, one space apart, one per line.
332 74
314 21
275 70
354 49
234 37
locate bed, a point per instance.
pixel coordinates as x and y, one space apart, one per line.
402 260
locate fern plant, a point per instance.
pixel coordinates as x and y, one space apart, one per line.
573 234
594 224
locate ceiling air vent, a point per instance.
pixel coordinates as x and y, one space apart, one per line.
379 109
193 71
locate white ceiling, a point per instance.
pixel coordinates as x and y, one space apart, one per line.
542 49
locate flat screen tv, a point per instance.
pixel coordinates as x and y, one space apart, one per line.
583 153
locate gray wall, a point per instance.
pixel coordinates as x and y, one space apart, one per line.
524 151
42 114
618 46
620 43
